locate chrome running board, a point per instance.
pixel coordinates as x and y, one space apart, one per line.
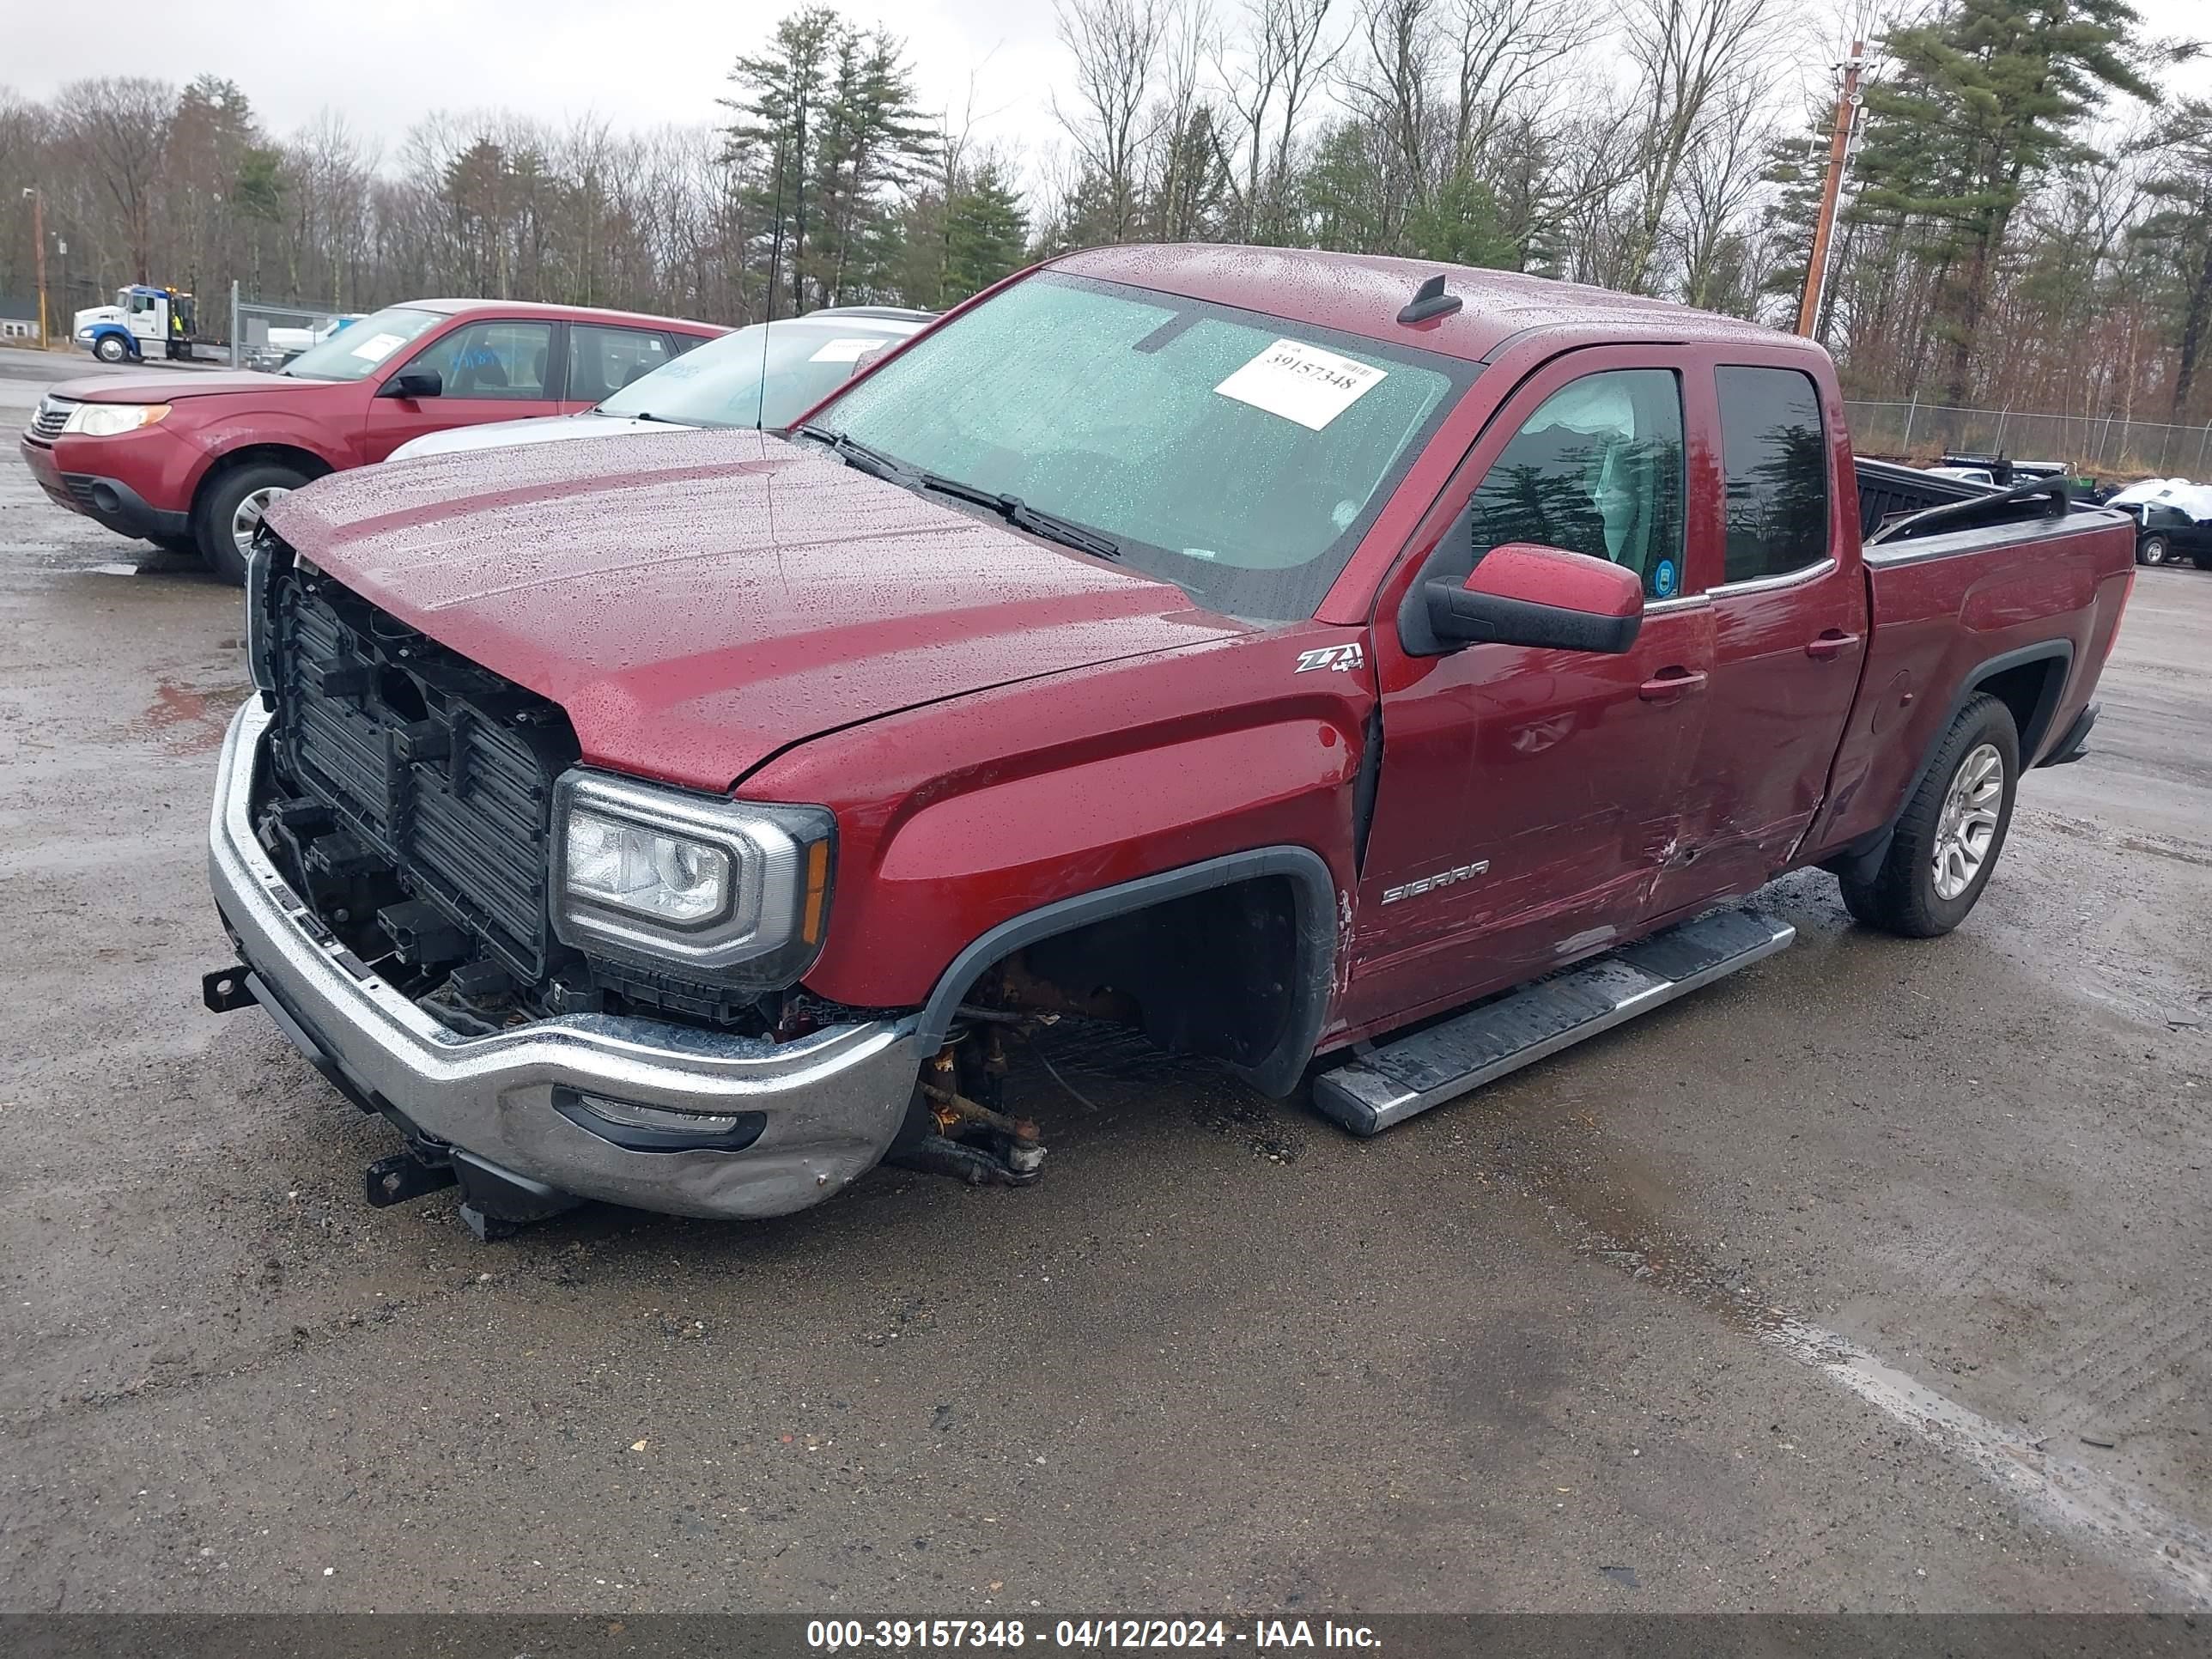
1390 1083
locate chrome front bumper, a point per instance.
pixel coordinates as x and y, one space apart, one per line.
833 1101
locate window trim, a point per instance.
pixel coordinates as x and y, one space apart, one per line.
1824 566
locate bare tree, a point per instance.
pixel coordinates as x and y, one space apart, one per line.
1267 79
121 127
1722 174
1687 54
1181 140
1391 85
1116 44
1504 51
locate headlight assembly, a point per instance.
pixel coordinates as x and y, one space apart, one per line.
113 420
736 892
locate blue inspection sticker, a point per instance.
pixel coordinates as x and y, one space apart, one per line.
1662 578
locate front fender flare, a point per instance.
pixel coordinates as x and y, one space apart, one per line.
1312 985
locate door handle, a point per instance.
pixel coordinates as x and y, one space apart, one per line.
1669 684
1831 645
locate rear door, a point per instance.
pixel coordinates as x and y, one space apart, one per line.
1790 622
492 369
1528 798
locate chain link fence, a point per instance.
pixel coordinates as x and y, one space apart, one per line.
265 335
2102 443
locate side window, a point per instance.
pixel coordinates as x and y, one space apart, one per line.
491 360
1776 457
1597 470
603 361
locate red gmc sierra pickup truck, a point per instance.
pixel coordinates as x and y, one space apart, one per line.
1369 675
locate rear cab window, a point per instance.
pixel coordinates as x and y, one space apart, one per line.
1774 448
1239 455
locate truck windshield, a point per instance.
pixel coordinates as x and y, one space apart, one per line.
719 384
359 349
1238 455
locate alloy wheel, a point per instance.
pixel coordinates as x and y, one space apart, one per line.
245 518
1969 822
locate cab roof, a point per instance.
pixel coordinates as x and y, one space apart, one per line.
1362 293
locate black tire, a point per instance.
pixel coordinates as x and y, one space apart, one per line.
218 506
1901 897
2154 547
111 348
185 544
2203 561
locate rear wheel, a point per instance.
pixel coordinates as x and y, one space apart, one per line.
1946 841
229 513
2152 548
111 348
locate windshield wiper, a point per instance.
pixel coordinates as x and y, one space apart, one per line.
855 454
1019 513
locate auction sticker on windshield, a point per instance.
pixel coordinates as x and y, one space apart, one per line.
378 347
1301 383
842 351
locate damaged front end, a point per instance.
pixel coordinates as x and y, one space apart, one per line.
388 853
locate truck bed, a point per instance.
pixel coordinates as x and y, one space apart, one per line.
2015 593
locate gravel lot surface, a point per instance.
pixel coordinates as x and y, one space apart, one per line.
1875 1277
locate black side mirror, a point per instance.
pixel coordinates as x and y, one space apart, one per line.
414 383
1524 594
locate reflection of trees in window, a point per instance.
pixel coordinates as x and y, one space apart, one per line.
1545 501
1777 472
1560 496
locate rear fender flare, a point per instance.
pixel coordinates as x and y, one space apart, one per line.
1313 984
1864 856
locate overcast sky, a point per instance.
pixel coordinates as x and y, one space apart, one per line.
635 63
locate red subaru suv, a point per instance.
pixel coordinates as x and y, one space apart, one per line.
189 461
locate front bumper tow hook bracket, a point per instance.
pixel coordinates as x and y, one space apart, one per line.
225 990
402 1177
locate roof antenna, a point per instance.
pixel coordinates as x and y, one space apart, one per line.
1429 301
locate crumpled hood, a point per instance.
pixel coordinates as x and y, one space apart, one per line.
698 601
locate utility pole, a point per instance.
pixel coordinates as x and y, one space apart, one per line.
38 237
1840 147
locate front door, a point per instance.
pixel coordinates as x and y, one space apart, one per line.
149 323
1790 621
1528 798
490 371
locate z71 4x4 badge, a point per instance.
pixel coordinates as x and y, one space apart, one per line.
1343 659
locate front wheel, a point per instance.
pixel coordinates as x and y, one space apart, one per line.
2152 548
111 348
229 513
1947 839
